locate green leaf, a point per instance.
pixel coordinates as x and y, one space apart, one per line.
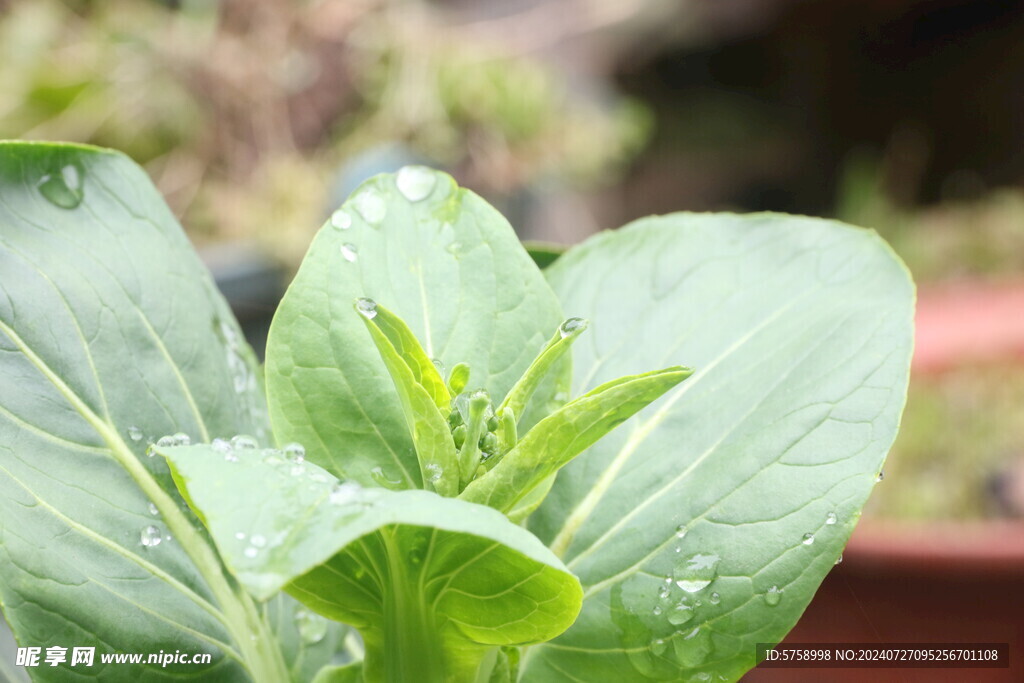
308 641
102 351
741 488
408 348
432 583
349 673
447 264
431 436
553 351
563 435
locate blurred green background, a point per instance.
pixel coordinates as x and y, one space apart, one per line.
256 117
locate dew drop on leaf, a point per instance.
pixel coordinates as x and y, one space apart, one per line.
370 206
572 326
880 476
367 308
182 439
715 598
831 518
251 552
415 182
295 452
349 252
240 535
258 541
166 442
434 472
150 537
808 539
243 442
64 189
839 560
696 572
311 627
341 219
773 596
680 614
135 434
681 531
657 610
658 646
152 509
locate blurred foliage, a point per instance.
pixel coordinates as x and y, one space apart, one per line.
243 111
982 236
962 431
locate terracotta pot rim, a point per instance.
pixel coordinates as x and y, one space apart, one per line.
961 547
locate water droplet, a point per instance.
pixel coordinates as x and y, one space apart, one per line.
715 598
880 476
382 478
341 219
839 560
64 189
658 646
693 648
240 535
678 549
664 592
251 552
344 492
153 510
773 596
808 539
182 439
367 308
439 366
656 610
297 470
166 442
258 541
349 252
434 472
680 614
244 442
702 676
572 326
681 531
312 627
415 182
150 537
696 572
135 434
370 206
295 452
831 518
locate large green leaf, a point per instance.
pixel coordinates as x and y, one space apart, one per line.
432 583
705 524
446 263
112 334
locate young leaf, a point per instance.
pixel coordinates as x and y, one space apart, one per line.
432 583
408 348
429 429
563 435
452 268
100 353
801 332
552 352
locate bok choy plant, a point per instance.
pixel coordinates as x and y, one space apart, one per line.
454 466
